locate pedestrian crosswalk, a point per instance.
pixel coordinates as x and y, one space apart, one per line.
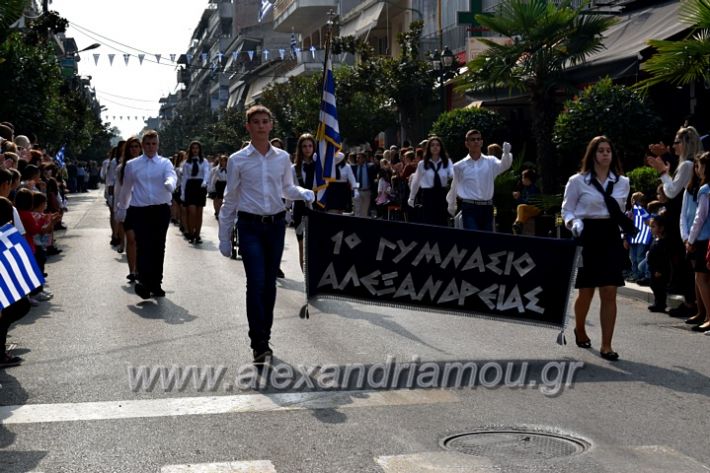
256 466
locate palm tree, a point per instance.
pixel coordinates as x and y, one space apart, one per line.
545 39
10 12
686 61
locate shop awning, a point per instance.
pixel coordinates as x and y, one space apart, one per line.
363 23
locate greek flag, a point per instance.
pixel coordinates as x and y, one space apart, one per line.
59 158
641 217
266 6
18 268
328 134
294 45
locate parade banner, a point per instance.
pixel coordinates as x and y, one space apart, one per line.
425 267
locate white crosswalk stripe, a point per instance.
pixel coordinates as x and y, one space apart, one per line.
255 466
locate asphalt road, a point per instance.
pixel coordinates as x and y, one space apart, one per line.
77 405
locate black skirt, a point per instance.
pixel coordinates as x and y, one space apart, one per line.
128 223
603 255
219 189
195 194
697 257
434 206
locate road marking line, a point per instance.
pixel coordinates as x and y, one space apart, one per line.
109 410
256 466
435 462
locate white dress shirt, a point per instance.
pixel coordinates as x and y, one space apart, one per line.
111 172
203 174
147 181
256 184
675 185
583 200
424 177
474 179
216 174
346 175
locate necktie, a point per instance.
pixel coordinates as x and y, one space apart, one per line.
195 167
437 179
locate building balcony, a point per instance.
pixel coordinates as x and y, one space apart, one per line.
301 15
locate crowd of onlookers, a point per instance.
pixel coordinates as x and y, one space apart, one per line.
33 198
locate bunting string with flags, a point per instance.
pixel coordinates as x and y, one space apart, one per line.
328 134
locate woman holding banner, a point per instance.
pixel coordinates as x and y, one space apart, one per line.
432 179
592 210
304 173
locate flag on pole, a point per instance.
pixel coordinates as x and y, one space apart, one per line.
266 6
18 268
294 45
59 157
328 134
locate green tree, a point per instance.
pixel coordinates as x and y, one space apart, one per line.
229 131
295 104
686 61
10 12
618 112
545 38
452 126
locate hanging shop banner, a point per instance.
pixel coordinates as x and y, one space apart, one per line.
516 278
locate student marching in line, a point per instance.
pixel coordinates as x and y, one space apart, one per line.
195 177
591 210
218 181
431 179
259 176
148 184
132 150
304 173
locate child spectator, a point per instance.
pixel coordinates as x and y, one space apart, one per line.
384 189
659 266
639 243
13 312
524 211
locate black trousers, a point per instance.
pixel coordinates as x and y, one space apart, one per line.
10 315
150 225
658 286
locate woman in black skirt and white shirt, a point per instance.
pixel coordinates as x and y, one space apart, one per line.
586 214
432 179
195 176
304 175
218 181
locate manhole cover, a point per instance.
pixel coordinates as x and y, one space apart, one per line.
514 445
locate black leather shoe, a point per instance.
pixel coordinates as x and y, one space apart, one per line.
157 292
280 274
262 356
142 291
582 344
609 355
682 311
656 308
705 327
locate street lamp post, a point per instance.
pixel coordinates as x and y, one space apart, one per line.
442 65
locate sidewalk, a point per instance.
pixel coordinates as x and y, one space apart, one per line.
643 293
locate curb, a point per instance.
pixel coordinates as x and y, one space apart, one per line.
644 294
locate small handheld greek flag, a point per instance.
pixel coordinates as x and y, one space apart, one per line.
18 268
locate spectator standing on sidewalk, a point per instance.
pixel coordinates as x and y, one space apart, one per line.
658 264
259 176
638 245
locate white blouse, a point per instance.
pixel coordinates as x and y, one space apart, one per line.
583 200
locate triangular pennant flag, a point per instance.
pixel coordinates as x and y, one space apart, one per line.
157 58
120 117
172 57
140 59
189 58
126 57
235 55
251 55
204 58
313 51
110 59
298 51
282 53
220 56
96 58
136 118
266 54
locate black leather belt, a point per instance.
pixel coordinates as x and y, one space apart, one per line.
248 217
477 202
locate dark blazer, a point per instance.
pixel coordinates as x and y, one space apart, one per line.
371 175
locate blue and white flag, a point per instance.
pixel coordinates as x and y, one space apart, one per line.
294 45
59 157
18 268
266 6
328 134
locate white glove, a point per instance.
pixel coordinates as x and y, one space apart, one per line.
577 227
204 185
356 194
452 210
168 186
309 196
410 202
289 217
506 147
120 215
225 247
